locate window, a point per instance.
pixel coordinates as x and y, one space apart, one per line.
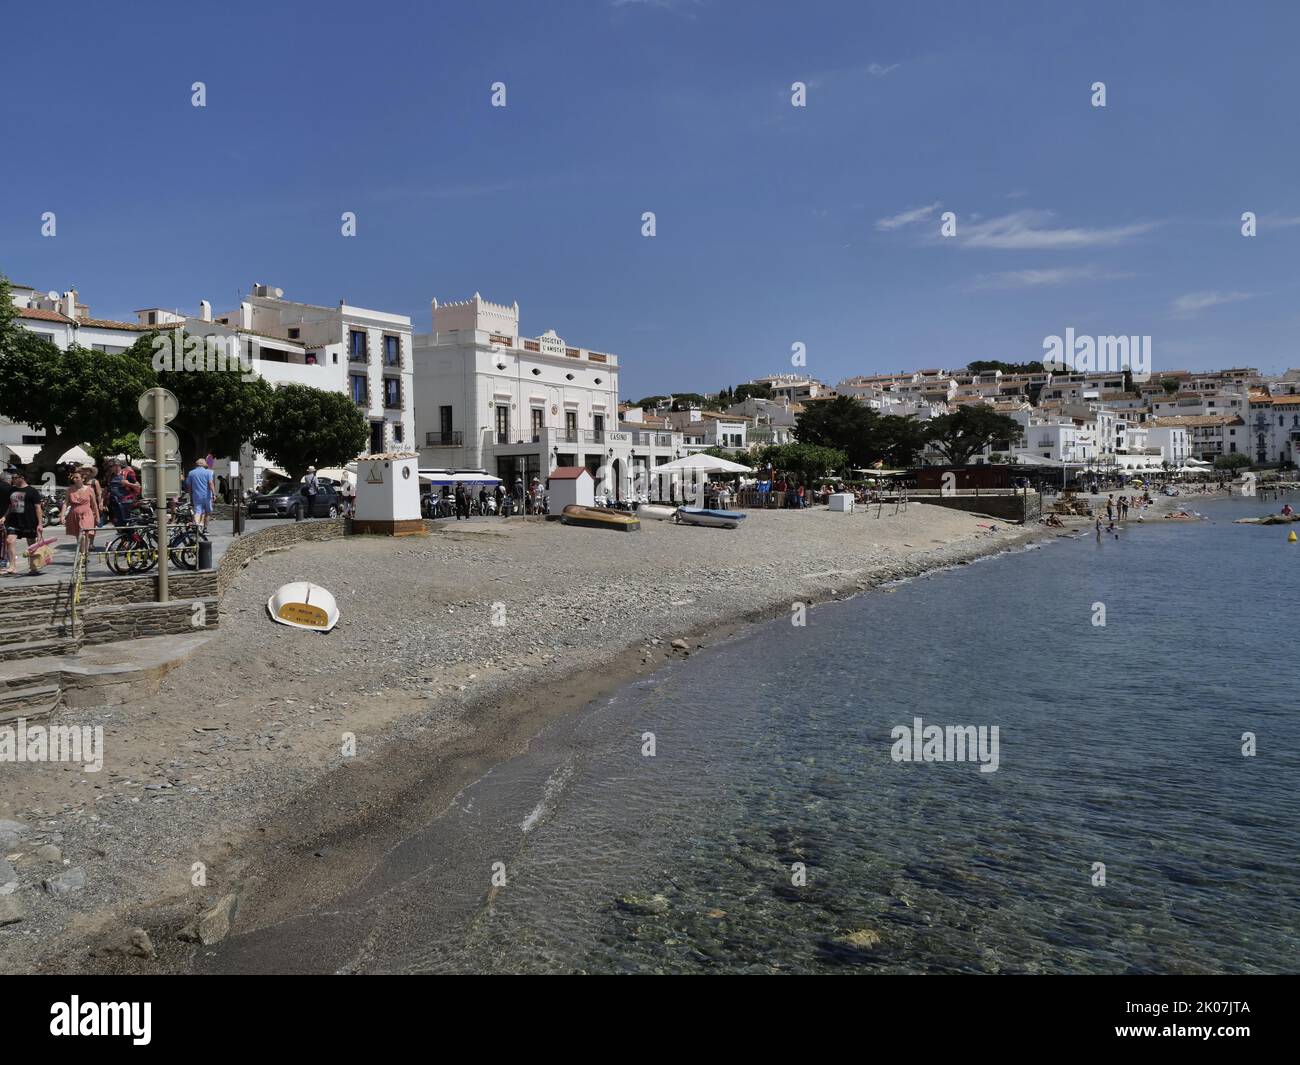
539 418
360 389
399 433
294 332
598 423
392 350
444 420
357 345
503 424
392 392
571 424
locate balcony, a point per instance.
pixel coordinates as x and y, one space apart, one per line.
453 439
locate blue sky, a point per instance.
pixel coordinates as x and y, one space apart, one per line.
775 224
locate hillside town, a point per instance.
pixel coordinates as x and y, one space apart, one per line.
477 393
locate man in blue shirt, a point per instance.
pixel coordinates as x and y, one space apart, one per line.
198 483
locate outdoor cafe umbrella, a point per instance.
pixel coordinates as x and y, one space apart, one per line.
696 464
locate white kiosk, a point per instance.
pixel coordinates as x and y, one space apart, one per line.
388 495
570 486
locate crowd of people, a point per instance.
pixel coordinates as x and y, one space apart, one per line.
92 499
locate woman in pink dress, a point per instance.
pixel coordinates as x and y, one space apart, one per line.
82 516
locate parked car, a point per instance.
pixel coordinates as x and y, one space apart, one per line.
287 501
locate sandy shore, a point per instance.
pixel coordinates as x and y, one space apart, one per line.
453 651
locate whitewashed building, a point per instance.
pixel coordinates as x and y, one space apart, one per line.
487 397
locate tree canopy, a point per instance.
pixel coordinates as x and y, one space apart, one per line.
866 437
969 430
310 427
807 462
73 397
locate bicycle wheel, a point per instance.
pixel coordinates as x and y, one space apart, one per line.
142 554
184 548
115 554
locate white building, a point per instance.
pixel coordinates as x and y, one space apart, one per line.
487 397
1273 428
345 349
1173 443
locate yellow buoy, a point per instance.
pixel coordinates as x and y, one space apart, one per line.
1291 537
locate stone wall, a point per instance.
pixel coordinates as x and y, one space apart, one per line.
129 621
245 548
1018 507
181 584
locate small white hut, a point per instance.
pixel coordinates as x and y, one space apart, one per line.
570 485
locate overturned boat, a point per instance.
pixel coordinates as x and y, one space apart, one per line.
600 518
655 512
719 519
303 605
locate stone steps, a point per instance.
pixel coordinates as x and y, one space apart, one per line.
30 703
54 645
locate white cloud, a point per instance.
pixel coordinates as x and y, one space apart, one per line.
1195 302
1028 230
906 218
1059 275
877 71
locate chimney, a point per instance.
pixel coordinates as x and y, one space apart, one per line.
70 303
246 316
205 310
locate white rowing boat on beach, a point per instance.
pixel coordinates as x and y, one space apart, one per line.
655 512
718 519
303 605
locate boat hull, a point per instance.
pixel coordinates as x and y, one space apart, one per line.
655 512
599 518
303 605
717 519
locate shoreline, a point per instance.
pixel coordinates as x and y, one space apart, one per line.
356 809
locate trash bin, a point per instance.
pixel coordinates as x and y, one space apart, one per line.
205 554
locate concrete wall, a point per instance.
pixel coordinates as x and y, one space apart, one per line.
1018 507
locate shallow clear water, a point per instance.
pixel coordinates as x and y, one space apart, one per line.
1119 744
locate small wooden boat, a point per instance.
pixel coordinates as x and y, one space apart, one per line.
720 519
655 512
303 605
600 518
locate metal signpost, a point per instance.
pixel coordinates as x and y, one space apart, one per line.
160 406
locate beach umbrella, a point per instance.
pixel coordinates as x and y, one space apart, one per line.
700 464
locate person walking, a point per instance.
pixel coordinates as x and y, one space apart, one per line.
23 519
6 490
310 490
79 521
198 483
1110 508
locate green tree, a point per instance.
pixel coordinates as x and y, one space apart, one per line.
9 327
755 391
73 397
901 439
807 462
969 430
651 402
1170 385
311 427
1233 461
843 424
